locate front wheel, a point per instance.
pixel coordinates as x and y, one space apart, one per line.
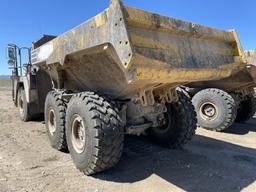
94 133
180 124
23 106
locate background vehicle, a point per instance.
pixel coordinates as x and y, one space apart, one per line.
221 103
119 73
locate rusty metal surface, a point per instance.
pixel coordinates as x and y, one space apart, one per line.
125 50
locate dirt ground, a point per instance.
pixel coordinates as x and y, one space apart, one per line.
211 162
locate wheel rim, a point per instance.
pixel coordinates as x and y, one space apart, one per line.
51 122
21 104
165 124
208 111
78 134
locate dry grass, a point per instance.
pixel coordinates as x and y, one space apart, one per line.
5 83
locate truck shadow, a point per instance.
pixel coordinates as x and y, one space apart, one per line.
205 164
242 128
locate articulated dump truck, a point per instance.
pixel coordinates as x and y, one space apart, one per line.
220 103
119 73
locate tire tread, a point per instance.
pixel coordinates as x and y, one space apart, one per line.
108 132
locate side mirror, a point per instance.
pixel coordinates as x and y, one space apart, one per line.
11 53
11 56
11 62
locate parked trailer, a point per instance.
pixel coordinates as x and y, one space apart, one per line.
118 73
220 103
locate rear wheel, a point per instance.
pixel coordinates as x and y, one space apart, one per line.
23 106
94 133
246 109
180 124
55 112
216 109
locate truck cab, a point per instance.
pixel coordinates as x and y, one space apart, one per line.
26 80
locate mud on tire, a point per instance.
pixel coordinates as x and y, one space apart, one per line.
181 124
216 109
94 133
55 113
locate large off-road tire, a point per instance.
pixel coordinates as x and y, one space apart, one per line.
94 132
55 114
23 106
180 124
216 109
246 109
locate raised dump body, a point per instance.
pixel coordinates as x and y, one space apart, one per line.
124 50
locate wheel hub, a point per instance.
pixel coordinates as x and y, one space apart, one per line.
78 134
164 123
208 111
52 121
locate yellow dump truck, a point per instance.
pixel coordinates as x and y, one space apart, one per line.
119 73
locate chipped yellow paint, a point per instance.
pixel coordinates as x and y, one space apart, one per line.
149 42
183 75
238 43
143 41
146 50
107 11
100 20
237 65
154 44
151 21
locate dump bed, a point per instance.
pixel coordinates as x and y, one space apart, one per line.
124 50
